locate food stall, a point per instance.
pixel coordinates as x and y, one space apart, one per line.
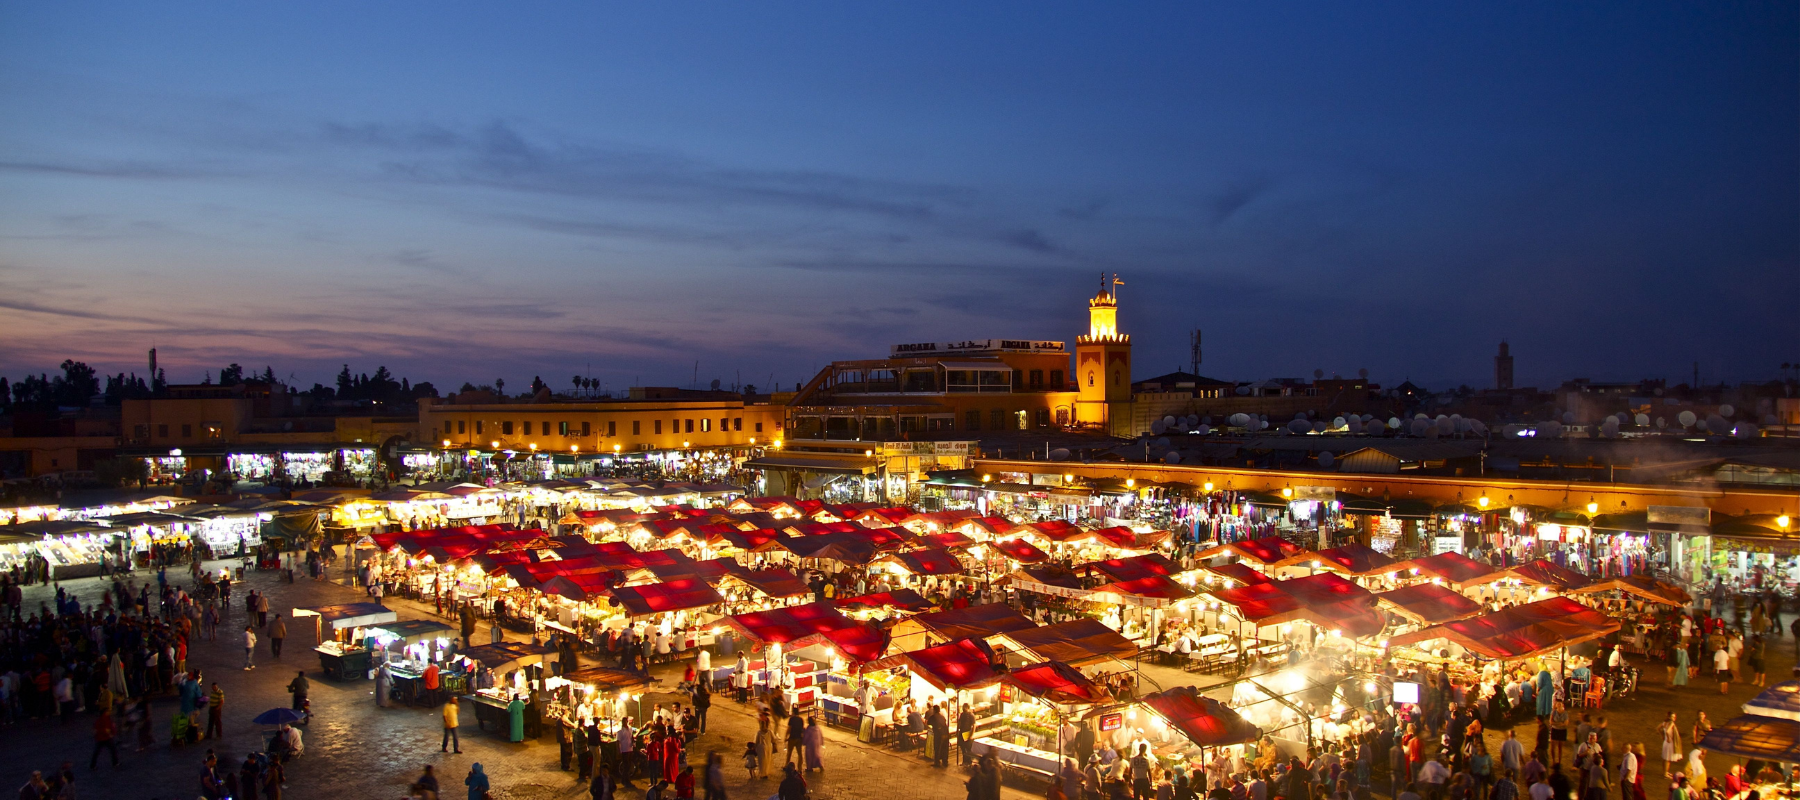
408 647
74 548
923 630
1181 726
597 699
500 672
346 655
959 675
1035 702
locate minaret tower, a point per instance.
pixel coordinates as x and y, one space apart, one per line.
1103 364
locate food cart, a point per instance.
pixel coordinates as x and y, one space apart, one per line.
596 699
1035 702
408 647
502 671
346 655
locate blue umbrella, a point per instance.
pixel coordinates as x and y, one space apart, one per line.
277 716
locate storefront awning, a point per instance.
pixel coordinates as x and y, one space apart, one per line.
1641 585
412 630
607 680
349 615
1543 572
1781 700
504 657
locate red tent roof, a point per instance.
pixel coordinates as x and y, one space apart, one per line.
844 547
1077 642
1054 530
774 582
884 517
946 540
860 642
1058 683
616 516
1353 618
1117 536
959 664
903 599
1206 722
1520 631
929 562
977 621
1125 569
1159 588
1430 603
712 570
1453 567
995 526
675 595
1325 587
1021 551
754 541
814 622
578 586
1239 572
1267 550
1544 572
1352 559
816 528
1260 603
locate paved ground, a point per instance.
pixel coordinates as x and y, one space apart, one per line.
355 749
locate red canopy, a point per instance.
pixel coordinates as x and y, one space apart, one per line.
1058 683
1206 722
1133 568
1078 642
787 625
843 547
954 665
1354 618
1054 530
1153 590
1117 536
860 642
754 541
1544 572
946 540
1352 559
1325 587
1239 572
993 526
578 586
1260 603
774 582
928 562
884 517
1454 568
1521 631
903 599
978 621
1430 603
1267 550
1021 551
712 570
676 595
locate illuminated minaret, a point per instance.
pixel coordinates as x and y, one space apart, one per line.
1103 363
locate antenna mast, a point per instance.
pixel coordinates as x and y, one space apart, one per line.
1194 351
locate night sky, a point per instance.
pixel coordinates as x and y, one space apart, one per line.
465 191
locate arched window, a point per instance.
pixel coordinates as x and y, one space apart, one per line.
1090 377
1115 377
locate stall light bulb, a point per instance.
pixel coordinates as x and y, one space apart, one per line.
1207 486
1287 492
1782 520
1593 507
1370 687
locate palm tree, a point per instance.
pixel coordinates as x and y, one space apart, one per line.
578 382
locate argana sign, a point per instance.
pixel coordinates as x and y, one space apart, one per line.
974 346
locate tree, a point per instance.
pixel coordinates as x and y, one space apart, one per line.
231 375
537 384
346 383
268 375
500 386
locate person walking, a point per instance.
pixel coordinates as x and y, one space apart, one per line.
450 723
105 738
298 688
1671 745
477 781
814 739
277 632
796 740
702 697
215 712
249 647
262 610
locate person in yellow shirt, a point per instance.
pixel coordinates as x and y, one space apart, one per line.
450 723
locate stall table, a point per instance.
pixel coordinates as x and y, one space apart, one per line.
493 709
341 663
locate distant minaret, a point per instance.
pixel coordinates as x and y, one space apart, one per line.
152 363
1503 374
1103 364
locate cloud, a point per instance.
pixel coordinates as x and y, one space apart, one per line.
123 170
1237 195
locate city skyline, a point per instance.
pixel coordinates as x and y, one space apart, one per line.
465 196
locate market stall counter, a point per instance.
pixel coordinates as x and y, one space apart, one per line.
346 654
409 648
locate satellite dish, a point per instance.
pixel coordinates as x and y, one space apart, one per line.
1363 373
1420 426
715 384
1641 420
1172 458
1686 418
1192 420
1238 420
1550 429
1662 422
1318 373
1479 427
1326 459
1353 426
1610 428
1300 426
1059 454
1299 415
1445 426
1339 422
1727 411
1167 421
1204 429
1394 422
1160 443
1157 427
1320 426
1243 390
1769 419
1746 430
1717 425
1206 420
1568 418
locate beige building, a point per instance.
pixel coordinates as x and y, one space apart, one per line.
597 426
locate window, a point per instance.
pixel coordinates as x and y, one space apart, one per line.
1115 377
724 423
658 426
162 430
997 420
140 431
706 425
690 426
972 419
1043 417
1024 420
1037 379
1056 381
942 423
1090 377
562 428
737 423
506 428
187 431
213 430
461 427
637 427
478 427
446 426
759 427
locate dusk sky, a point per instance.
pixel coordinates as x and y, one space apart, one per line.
465 191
